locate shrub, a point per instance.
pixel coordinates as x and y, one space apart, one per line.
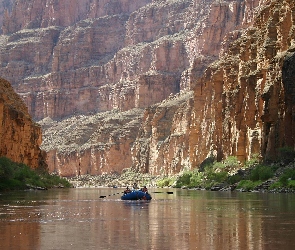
253 162
248 185
165 182
276 185
6 168
291 184
289 174
217 177
183 180
197 179
231 162
217 166
261 172
23 172
286 155
17 176
234 179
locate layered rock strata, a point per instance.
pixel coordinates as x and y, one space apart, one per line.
96 144
95 56
20 136
41 14
244 103
5 7
241 105
169 44
162 145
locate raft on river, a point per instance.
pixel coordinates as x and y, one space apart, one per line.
136 195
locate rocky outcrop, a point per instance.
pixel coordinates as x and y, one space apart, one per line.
5 6
153 61
162 144
42 14
20 136
168 44
96 144
288 76
244 103
88 56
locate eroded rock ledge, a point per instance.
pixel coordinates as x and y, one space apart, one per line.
20 136
240 105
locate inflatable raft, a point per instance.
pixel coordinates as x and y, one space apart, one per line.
136 195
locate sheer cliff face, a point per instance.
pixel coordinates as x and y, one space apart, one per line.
152 55
20 136
169 44
58 53
244 103
41 14
78 57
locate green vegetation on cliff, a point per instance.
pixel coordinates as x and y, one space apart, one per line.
230 174
18 176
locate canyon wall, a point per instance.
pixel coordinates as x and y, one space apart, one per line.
83 57
93 144
244 103
168 45
42 14
20 135
158 86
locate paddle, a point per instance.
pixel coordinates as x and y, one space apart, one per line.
158 192
103 196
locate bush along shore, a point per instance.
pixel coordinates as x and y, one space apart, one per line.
18 176
228 175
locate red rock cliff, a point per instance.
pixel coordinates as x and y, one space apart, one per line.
20 137
78 57
192 39
155 57
244 103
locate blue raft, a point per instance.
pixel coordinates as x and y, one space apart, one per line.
136 195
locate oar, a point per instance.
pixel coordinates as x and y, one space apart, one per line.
158 192
103 196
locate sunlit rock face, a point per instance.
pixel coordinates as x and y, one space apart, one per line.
20 135
200 78
81 57
59 55
150 56
41 14
244 103
94 144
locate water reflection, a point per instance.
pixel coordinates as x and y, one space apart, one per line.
80 219
19 223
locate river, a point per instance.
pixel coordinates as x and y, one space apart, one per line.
62 219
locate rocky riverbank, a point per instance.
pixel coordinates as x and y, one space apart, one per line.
282 181
127 178
274 184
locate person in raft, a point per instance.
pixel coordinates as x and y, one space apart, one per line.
127 190
144 189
